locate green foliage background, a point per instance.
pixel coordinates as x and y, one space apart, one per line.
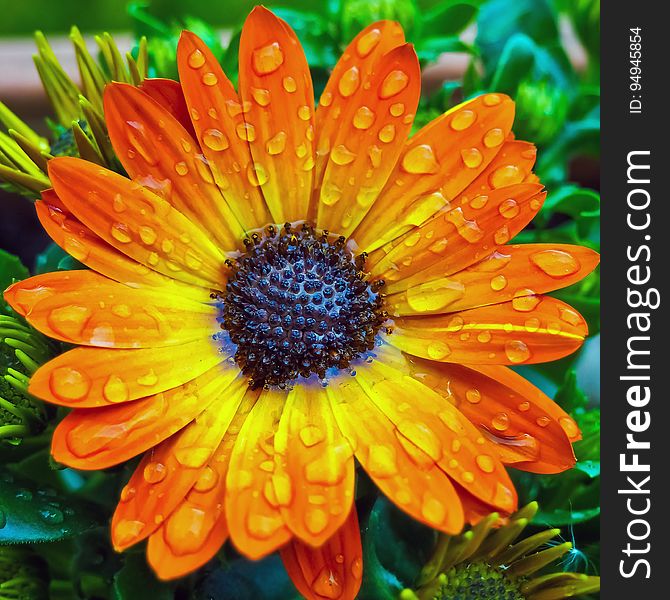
517 48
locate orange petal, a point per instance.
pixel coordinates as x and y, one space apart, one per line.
97 438
459 237
437 163
509 272
85 246
276 85
356 65
527 429
167 472
402 471
371 134
169 95
160 154
317 462
217 116
83 307
89 377
137 222
530 329
438 428
335 570
255 521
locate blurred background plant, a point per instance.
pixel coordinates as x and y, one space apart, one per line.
544 53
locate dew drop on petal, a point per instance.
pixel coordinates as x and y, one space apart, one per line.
517 351
508 208
463 119
433 510
327 584
492 99
394 83
485 463
382 461
420 160
68 383
500 421
473 396
499 282
121 233
215 140
556 263
115 389
196 59
276 144
267 59
438 350
569 426
289 84
341 155
209 79
472 157
363 118
154 472
368 42
506 175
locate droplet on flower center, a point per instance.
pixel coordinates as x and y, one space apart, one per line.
297 304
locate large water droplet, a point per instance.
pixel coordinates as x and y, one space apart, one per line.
215 139
69 384
267 59
463 119
556 263
349 82
517 351
115 389
368 42
363 118
341 155
196 59
394 83
420 160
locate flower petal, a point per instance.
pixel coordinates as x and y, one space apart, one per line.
255 521
85 246
509 272
137 222
334 570
195 531
98 438
459 237
438 428
402 471
276 85
166 473
357 63
217 115
83 307
160 154
527 429
529 329
371 134
316 461
437 163
89 377
169 95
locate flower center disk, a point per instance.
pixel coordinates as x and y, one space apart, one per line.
298 303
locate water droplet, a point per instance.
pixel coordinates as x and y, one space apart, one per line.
484 337
304 112
516 351
500 421
473 396
543 421
196 59
261 96
433 510
569 316
148 379
472 157
494 137
276 144
209 79
326 99
479 202
501 236
289 84
121 233
51 515
207 480
115 389
532 324
193 457
468 476
263 527
267 59
69 320
330 193
195 115
397 109
69 384
349 82
118 204
341 155
364 118
357 568
463 119
506 175
154 472
436 295
394 83
485 463
382 461
24 494
283 488
420 160
181 168
499 282
316 520
311 435
246 132
126 531
256 174
387 133
368 42
508 208
468 230
437 350
128 493
148 235
327 584
492 99
556 263
215 139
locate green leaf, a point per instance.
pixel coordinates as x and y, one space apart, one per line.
34 515
571 200
315 35
11 270
135 580
448 18
395 548
54 258
429 49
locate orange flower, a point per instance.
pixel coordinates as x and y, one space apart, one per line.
252 374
